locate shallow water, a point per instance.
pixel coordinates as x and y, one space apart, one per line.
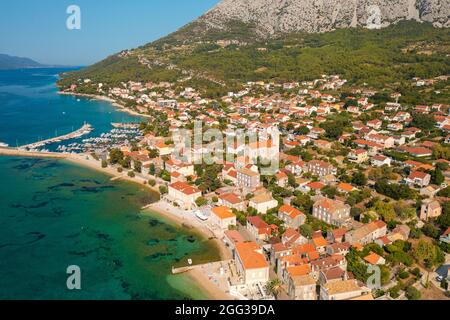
54 214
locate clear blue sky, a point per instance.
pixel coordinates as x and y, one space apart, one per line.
37 29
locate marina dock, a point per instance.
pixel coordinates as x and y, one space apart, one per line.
85 129
125 125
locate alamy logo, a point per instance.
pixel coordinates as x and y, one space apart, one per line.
374 20
210 147
73 22
74 280
374 279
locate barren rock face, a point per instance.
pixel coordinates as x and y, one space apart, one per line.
281 16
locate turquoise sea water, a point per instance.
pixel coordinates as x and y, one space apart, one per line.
54 214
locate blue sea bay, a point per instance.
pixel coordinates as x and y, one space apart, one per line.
54 214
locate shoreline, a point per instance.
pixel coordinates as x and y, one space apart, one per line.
80 159
212 291
195 274
113 102
157 208
194 225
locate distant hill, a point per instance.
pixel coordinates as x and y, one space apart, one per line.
11 62
369 42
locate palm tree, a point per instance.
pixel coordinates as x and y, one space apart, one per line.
274 287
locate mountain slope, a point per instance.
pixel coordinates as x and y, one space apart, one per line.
243 40
283 16
11 62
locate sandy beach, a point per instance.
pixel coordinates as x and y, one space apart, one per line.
213 292
113 102
87 161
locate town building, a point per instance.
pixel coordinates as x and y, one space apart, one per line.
247 178
184 194
367 233
430 209
302 288
258 228
223 217
291 216
320 168
333 212
251 263
263 202
341 290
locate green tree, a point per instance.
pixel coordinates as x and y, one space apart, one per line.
152 169
437 177
444 192
201 201
423 121
386 210
274 287
431 231
306 230
126 162
302 130
359 178
163 189
137 166
441 152
153 153
333 130
412 293
115 156
303 202
428 253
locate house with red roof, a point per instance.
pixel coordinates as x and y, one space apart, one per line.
291 216
291 237
336 235
419 178
338 248
419 152
320 244
380 160
374 259
367 233
184 194
223 217
233 201
258 228
333 212
321 168
251 263
282 179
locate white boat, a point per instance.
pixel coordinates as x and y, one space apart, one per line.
201 216
3 145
